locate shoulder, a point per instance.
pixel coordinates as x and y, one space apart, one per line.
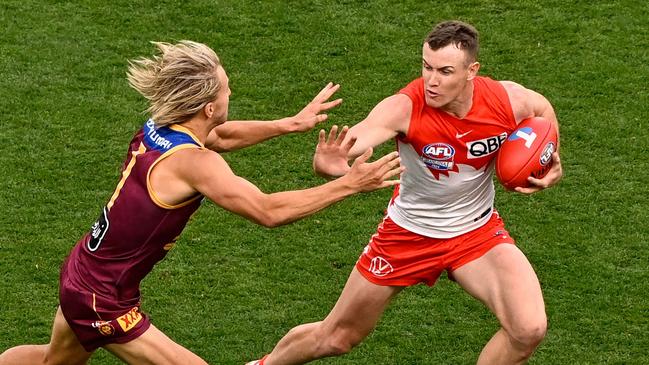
393 112
524 101
197 156
397 103
194 163
513 88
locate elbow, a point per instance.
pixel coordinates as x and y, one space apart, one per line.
270 211
271 224
269 220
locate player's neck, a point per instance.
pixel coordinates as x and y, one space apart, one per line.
200 127
461 105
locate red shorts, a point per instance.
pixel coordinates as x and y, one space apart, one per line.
398 257
97 320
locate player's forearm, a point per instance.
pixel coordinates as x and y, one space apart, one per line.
234 135
288 206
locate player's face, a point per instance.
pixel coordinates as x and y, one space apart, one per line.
446 74
222 100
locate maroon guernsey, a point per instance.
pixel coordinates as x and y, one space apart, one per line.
101 277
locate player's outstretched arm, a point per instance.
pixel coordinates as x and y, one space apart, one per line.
333 152
217 182
233 135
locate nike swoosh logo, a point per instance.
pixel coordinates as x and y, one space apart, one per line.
460 135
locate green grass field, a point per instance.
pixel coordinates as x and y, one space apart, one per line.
231 289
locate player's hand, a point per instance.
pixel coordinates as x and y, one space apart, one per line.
330 158
550 179
368 176
312 114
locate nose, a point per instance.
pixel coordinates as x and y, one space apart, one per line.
432 79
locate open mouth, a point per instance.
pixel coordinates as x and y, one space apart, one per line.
432 94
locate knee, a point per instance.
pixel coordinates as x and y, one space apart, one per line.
529 334
339 342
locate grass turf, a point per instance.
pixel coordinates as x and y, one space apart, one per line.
230 289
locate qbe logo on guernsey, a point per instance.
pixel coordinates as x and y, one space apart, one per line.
486 146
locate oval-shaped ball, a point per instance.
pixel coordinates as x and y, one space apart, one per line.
526 152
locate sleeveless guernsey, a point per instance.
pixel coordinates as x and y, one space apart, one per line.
135 229
447 188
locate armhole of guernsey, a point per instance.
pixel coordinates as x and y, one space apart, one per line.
149 188
196 144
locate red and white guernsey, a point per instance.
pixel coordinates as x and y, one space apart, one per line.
447 188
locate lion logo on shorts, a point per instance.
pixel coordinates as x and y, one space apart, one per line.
105 328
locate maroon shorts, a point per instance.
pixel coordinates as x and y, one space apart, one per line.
98 320
398 257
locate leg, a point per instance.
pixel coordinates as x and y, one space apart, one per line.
505 282
155 348
64 348
353 317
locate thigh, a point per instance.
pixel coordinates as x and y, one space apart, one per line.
359 306
506 283
64 347
155 348
398 257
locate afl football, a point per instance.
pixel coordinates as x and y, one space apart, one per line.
526 152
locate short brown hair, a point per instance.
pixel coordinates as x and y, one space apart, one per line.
464 36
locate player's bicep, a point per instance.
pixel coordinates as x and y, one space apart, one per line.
214 140
216 181
387 119
527 103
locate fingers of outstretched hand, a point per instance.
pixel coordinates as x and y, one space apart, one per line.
321 137
350 143
364 157
390 166
333 132
330 104
326 92
342 135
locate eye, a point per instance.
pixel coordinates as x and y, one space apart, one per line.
427 66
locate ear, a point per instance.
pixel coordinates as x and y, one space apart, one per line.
473 70
208 109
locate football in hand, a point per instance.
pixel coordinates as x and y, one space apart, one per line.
526 152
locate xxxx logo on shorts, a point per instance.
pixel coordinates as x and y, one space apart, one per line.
130 319
105 328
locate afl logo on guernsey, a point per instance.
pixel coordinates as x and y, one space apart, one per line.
438 156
